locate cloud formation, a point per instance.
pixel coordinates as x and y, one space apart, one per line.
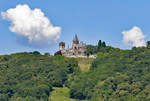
134 37
31 26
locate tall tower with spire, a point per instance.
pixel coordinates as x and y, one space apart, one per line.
76 40
75 44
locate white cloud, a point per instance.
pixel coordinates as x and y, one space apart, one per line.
134 37
31 26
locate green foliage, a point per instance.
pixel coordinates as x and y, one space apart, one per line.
47 54
36 53
148 44
3 97
100 47
60 94
101 44
117 75
84 64
31 76
91 50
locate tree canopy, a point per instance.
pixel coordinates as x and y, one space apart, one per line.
115 75
31 76
120 75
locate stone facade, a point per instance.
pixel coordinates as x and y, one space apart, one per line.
78 49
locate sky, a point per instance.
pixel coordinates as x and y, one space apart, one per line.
120 23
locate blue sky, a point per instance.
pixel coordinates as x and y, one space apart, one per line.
90 19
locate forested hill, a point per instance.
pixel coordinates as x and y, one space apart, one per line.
31 76
115 75
120 75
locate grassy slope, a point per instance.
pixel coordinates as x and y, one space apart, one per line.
84 63
60 94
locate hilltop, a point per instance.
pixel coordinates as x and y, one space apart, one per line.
115 75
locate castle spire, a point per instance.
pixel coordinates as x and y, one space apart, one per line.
76 40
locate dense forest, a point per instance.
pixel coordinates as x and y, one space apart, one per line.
31 76
121 75
115 75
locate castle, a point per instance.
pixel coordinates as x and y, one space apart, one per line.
78 49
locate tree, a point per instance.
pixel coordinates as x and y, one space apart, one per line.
148 44
103 44
91 49
47 54
3 97
31 76
99 44
36 53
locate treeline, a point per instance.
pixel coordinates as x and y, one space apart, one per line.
115 75
100 47
120 75
31 76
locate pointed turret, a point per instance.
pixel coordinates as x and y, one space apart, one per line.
75 40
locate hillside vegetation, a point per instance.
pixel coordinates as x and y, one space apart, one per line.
84 63
32 76
120 75
60 94
115 75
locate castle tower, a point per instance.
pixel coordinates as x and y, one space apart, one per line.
62 46
75 45
75 40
